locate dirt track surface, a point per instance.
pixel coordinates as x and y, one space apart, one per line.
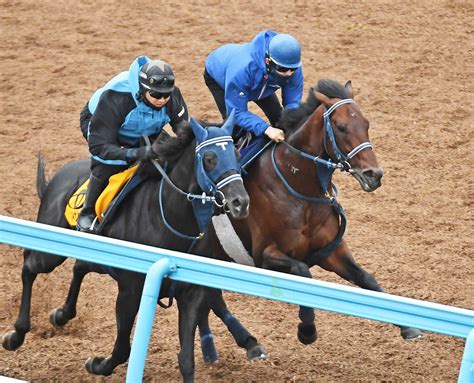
411 67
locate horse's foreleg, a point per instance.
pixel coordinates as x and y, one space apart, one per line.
241 335
343 264
61 316
34 263
192 306
273 259
126 309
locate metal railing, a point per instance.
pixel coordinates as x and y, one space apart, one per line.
158 263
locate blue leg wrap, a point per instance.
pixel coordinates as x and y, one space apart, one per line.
239 332
209 352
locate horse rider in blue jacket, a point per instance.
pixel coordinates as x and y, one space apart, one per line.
135 103
238 73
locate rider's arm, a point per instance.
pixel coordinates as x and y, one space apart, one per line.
237 89
104 128
177 109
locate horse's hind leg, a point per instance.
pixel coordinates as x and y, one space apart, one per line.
34 263
343 264
192 306
126 308
242 336
59 317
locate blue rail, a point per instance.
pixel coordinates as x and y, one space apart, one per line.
238 278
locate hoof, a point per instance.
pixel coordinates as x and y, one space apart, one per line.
410 333
12 341
57 318
94 365
210 358
257 352
307 333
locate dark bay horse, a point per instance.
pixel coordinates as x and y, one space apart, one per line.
295 221
155 213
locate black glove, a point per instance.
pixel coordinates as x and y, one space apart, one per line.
141 154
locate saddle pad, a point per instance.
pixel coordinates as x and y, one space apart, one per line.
116 183
249 153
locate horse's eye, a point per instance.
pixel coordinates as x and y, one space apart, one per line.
210 161
341 128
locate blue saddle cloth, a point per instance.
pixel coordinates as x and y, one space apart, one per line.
252 151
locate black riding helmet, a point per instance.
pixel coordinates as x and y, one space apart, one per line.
156 76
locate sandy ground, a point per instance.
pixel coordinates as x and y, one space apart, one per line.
411 64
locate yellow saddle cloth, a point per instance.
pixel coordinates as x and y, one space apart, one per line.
116 183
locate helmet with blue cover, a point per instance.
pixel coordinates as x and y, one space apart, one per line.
285 51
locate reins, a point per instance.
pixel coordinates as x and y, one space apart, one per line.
189 196
217 197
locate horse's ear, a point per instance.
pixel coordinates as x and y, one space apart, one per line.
229 123
322 98
350 91
199 132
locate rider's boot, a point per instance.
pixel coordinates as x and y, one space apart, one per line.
87 216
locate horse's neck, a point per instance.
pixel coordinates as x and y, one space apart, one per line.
298 171
310 135
182 173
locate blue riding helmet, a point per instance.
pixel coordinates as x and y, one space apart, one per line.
285 50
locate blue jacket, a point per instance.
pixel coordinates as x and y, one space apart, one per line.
118 119
241 71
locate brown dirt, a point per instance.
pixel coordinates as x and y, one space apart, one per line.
411 66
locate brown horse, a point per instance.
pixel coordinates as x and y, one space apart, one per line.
295 221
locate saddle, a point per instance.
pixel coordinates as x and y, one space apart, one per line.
119 186
250 150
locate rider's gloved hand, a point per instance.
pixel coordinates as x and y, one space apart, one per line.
141 154
275 134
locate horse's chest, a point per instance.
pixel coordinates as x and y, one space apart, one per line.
300 227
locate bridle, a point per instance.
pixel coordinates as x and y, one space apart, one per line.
209 182
342 158
342 162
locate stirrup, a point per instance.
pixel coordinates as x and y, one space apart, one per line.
90 229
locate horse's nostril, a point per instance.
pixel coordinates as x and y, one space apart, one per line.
369 173
236 202
373 173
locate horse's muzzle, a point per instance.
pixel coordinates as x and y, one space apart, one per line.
238 207
369 179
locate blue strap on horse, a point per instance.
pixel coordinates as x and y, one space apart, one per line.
324 200
248 154
171 228
317 256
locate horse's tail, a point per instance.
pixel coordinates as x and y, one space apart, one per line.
41 180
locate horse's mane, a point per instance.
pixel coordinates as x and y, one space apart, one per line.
292 119
170 148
